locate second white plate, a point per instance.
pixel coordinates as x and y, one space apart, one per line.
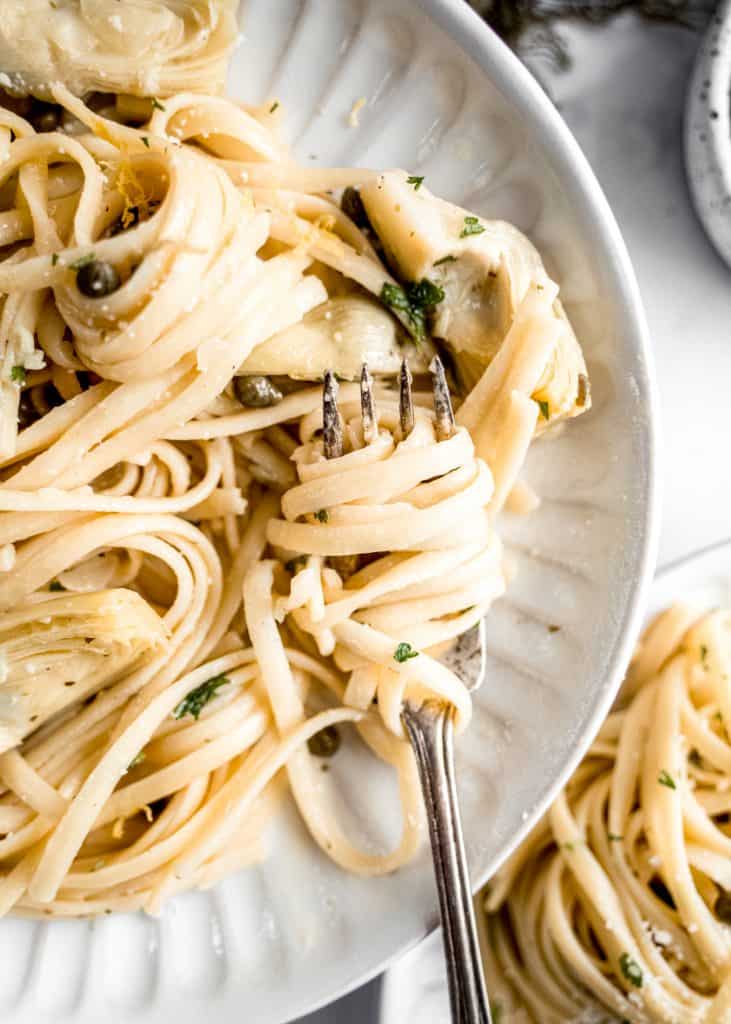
415 989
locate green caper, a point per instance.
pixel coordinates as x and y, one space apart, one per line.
45 117
324 743
256 392
722 907
97 278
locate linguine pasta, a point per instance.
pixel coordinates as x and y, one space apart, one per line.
193 599
620 900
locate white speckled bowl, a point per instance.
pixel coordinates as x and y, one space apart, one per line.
708 131
446 99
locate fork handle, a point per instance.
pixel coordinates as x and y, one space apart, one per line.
430 729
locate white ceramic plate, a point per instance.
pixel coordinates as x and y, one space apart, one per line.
415 989
445 99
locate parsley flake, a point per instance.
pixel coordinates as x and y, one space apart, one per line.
417 180
444 259
614 838
411 303
197 699
666 779
404 652
322 515
631 970
704 656
54 259
545 409
274 106
83 261
137 759
17 375
56 586
146 141
472 226
156 104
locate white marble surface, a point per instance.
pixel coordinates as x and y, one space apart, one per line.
623 98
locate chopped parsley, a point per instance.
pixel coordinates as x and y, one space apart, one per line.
404 652
631 970
417 180
137 759
54 259
17 375
197 699
444 259
704 656
274 106
322 515
83 261
614 838
496 1011
146 141
471 226
324 743
545 409
695 758
157 105
411 303
666 779
56 586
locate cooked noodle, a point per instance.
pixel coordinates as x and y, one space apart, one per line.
192 576
620 900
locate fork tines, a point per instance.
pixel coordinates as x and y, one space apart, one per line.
405 401
368 412
442 401
332 427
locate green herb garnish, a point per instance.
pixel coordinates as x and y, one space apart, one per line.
322 515
496 1011
404 652
614 838
416 180
197 699
545 409
83 261
274 106
704 656
146 141
631 970
17 375
324 743
472 226
156 104
411 303
56 586
444 259
137 759
666 779
54 259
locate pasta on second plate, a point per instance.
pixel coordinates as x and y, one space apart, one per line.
184 575
620 901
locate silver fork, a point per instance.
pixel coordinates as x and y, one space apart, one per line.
430 727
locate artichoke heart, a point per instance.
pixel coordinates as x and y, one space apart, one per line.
485 269
339 335
66 647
